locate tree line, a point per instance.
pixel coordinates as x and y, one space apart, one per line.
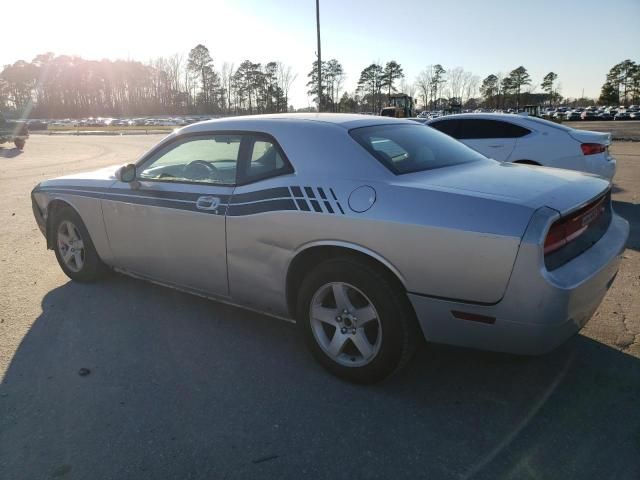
435 88
68 86
622 86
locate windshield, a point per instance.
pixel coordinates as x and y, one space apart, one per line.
406 148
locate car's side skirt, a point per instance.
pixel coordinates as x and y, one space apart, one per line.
198 293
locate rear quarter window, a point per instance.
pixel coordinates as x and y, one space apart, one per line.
406 148
449 127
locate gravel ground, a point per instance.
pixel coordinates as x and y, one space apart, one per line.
179 387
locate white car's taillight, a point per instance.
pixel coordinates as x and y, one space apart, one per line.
592 148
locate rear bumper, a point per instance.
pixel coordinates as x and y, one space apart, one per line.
540 309
606 168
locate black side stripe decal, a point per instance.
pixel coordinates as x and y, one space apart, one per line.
261 207
142 192
152 202
271 199
268 194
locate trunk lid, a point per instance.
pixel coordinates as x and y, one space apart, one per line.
531 186
587 136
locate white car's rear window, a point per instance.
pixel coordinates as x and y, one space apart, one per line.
406 148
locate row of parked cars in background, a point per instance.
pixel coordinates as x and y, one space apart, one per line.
100 122
593 113
560 113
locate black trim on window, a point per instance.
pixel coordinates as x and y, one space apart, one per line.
243 178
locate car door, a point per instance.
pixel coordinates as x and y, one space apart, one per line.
259 212
169 225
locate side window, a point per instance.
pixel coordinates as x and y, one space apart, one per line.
480 129
265 161
516 131
200 159
450 127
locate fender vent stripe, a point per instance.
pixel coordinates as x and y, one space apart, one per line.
316 206
302 204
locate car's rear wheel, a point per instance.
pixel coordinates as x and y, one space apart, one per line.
356 321
74 249
19 143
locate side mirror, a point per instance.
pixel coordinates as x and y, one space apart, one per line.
126 173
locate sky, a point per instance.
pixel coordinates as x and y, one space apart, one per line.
578 39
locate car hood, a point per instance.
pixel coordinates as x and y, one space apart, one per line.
526 185
102 177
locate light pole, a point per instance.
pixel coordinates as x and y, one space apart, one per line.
319 56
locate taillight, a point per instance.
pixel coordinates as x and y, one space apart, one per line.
568 229
592 148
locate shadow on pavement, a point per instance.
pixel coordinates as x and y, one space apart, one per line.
631 212
181 387
10 152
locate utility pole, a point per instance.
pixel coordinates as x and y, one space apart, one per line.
319 57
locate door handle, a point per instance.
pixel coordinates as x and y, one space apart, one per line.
208 203
496 146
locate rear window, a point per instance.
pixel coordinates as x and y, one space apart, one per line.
408 148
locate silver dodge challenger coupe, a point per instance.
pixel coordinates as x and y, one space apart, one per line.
372 233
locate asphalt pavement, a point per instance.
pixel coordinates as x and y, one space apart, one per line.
123 379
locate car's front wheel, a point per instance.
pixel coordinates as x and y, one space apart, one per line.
356 321
19 143
74 249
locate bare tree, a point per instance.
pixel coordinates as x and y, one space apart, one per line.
226 76
424 83
285 77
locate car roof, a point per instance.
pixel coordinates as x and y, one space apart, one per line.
526 121
260 122
484 116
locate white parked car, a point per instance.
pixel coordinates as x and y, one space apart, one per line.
531 140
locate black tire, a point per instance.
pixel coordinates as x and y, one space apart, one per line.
92 268
399 329
19 143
